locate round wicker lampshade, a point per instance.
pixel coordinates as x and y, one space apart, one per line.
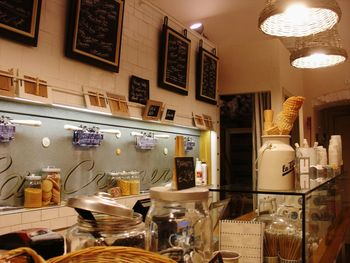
317 51
297 18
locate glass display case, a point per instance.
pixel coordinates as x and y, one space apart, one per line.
315 216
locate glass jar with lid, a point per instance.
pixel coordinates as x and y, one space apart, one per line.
102 221
51 185
282 239
32 191
178 224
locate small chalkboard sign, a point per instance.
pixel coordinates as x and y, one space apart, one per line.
19 20
217 258
94 32
139 90
168 114
206 76
153 110
184 172
174 61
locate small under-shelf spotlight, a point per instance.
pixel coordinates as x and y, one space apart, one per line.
198 27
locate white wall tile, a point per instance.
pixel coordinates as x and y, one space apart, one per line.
9 220
66 211
32 216
49 213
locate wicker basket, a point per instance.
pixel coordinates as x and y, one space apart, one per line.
112 254
102 254
20 255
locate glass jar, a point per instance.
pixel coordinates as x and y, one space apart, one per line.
282 239
106 230
134 182
32 191
51 185
178 224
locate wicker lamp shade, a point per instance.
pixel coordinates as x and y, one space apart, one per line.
298 18
317 51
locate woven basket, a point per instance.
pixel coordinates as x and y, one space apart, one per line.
102 254
15 255
111 254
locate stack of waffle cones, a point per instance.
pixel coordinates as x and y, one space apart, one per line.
285 119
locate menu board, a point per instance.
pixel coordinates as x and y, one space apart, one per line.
184 171
206 78
94 32
174 61
139 90
19 20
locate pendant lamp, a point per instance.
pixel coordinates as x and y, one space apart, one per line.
298 18
318 51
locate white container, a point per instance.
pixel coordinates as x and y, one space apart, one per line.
204 168
337 139
276 163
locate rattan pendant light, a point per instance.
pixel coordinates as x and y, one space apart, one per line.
297 18
318 51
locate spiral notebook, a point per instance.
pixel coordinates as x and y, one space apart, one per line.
244 237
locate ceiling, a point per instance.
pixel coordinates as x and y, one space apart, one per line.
234 22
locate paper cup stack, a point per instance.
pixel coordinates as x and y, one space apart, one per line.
285 119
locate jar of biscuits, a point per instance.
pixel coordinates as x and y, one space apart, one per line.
51 185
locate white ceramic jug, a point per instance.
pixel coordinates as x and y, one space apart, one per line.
276 161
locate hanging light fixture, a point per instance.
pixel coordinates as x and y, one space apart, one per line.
298 18
318 51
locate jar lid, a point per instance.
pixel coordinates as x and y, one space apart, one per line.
100 203
190 194
33 177
50 169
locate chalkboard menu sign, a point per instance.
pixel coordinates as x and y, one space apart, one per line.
19 20
139 90
174 61
206 76
184 171
94 32
153 110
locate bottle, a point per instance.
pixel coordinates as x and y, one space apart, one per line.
204 173
32 191
198 171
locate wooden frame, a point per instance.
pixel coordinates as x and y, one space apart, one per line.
168 114
153 110
7 87
207 76
174 61
118 104
19 20
208 122
33 88
198 121
184 173
96 99
94 32
138 90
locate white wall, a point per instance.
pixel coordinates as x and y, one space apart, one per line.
259 66
139 56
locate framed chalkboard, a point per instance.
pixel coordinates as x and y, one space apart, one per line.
19 20
184 172
168 114
206 76
174 61
94 32
139 90
153 110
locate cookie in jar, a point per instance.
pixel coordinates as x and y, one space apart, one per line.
51 186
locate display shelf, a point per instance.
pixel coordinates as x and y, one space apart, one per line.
317 213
